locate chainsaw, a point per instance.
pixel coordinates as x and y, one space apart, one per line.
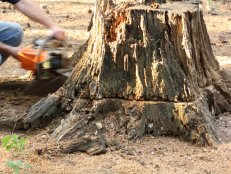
46 58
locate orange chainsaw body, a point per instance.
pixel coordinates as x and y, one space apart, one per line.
45 58
29 58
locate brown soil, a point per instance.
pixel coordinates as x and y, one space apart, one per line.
147 155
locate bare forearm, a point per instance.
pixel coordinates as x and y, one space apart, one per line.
4 48
13 51
31 10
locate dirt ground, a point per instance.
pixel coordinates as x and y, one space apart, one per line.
147 155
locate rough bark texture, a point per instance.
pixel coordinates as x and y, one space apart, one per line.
146 54
144 69
41 111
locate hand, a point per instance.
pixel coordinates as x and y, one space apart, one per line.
57 33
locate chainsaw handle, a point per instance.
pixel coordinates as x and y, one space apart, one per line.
47 39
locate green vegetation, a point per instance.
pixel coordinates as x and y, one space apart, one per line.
16 144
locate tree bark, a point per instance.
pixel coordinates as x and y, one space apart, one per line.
143 70
138 54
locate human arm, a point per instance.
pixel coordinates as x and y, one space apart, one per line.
31 10
13 51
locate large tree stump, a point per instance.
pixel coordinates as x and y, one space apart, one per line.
144 69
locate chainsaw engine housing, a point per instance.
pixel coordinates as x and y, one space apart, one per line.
45 58
54 61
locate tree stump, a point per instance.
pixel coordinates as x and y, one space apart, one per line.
144 70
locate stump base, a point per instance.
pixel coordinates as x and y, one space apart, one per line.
93 124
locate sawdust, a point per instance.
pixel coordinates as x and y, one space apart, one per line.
147 155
